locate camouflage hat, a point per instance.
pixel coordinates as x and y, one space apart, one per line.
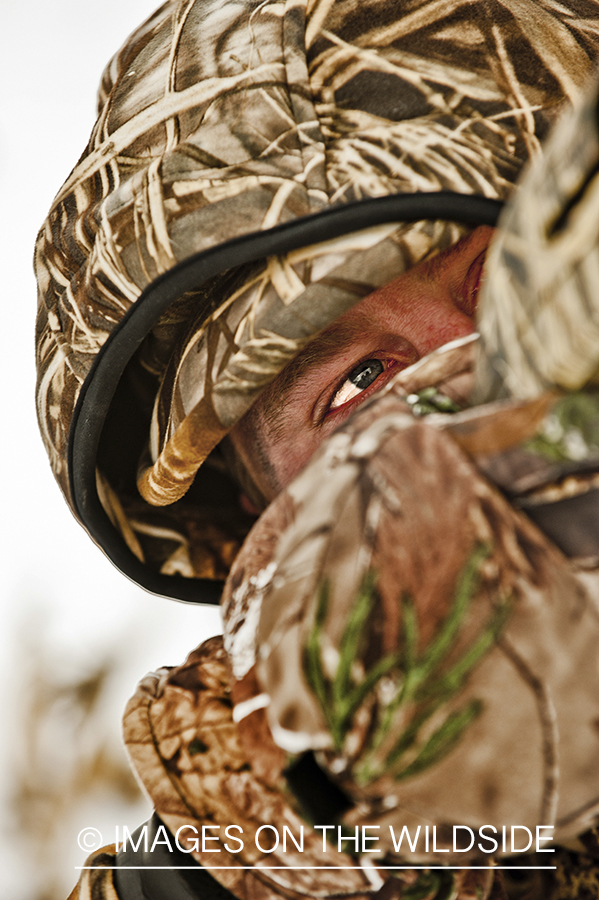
174 279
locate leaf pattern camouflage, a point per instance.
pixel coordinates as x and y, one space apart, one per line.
182 735
216 120
399 618
392 612
97 882
416 676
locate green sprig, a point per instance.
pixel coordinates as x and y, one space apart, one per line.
423 679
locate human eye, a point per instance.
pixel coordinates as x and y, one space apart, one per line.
357 381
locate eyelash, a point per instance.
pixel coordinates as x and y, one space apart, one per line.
388 363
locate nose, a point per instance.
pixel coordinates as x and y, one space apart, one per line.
440 323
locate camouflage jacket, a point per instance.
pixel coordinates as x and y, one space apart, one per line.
411 617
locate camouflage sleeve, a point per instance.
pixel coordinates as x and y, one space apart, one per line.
97 877
538 316
397 616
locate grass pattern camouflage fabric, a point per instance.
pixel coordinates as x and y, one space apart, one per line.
217 120
504 636
538 315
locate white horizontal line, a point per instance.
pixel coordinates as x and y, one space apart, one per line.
320 868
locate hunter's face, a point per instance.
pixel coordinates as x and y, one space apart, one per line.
394 327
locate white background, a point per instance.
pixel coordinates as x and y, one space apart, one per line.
64 606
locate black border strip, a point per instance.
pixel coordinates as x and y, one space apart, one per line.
100 385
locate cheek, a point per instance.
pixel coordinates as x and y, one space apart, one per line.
289 456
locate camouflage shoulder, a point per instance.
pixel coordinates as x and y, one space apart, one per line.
97 877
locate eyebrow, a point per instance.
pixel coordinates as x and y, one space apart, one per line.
272 404
436 266
335 339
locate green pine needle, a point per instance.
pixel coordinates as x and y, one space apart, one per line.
422 680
